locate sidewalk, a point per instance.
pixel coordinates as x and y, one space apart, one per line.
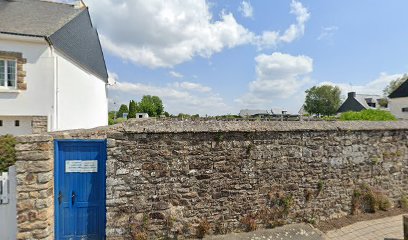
292 232
383 228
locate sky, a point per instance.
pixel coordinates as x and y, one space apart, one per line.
212 57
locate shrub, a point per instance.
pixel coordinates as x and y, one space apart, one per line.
139 228
368 115
384 203
140 236
249 223
203 228
404 202
329 118
369 200
320 186
7 152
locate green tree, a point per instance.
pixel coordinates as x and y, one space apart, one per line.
151 105
132 109
158 105
123 109
111 118
322 100
394 84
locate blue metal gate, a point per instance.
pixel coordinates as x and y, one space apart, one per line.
80 195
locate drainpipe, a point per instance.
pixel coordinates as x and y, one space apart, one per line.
56 89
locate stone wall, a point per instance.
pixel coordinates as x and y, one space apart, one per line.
164 178
35 179
182 174
39 124
35 187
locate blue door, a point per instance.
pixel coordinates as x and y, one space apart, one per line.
80 189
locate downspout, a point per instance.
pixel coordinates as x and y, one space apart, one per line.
56 89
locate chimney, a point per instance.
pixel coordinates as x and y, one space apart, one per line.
351 94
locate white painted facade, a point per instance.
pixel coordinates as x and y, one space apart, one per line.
68 95
396 105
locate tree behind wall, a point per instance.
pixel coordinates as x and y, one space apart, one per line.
132 109
151 105
322 100
123 109
394 84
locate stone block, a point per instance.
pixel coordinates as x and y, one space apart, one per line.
34 138
34 155
45 177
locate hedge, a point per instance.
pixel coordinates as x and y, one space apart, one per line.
368 115
7 152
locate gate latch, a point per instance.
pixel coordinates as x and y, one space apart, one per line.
59 198
73 198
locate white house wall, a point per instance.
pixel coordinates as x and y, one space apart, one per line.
82 97
37 100
8 125
396 104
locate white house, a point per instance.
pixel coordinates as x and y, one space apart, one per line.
358 102
52 69
398 101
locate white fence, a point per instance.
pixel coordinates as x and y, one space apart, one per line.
8 211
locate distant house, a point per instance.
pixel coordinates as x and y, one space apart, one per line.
52 69
245 113
278 111
358 102
398 101
142 115
274 112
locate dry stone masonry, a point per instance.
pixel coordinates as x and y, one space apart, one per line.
168 178
180 174
35 187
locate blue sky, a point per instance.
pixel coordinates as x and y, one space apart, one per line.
217 57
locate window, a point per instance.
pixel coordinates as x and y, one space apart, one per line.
8 73
371 104
1 123
17 123
405 109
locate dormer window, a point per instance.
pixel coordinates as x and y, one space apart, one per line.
8 73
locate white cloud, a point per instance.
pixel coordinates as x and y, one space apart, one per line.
184 97
176 74
279 76
327 33
112 78
270 39
374 87
192 86
298 29
246 9
159 33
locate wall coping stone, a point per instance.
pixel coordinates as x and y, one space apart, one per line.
152 126
211 126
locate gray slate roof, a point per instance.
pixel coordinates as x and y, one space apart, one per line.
34 17
67 28
363 99
401 91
